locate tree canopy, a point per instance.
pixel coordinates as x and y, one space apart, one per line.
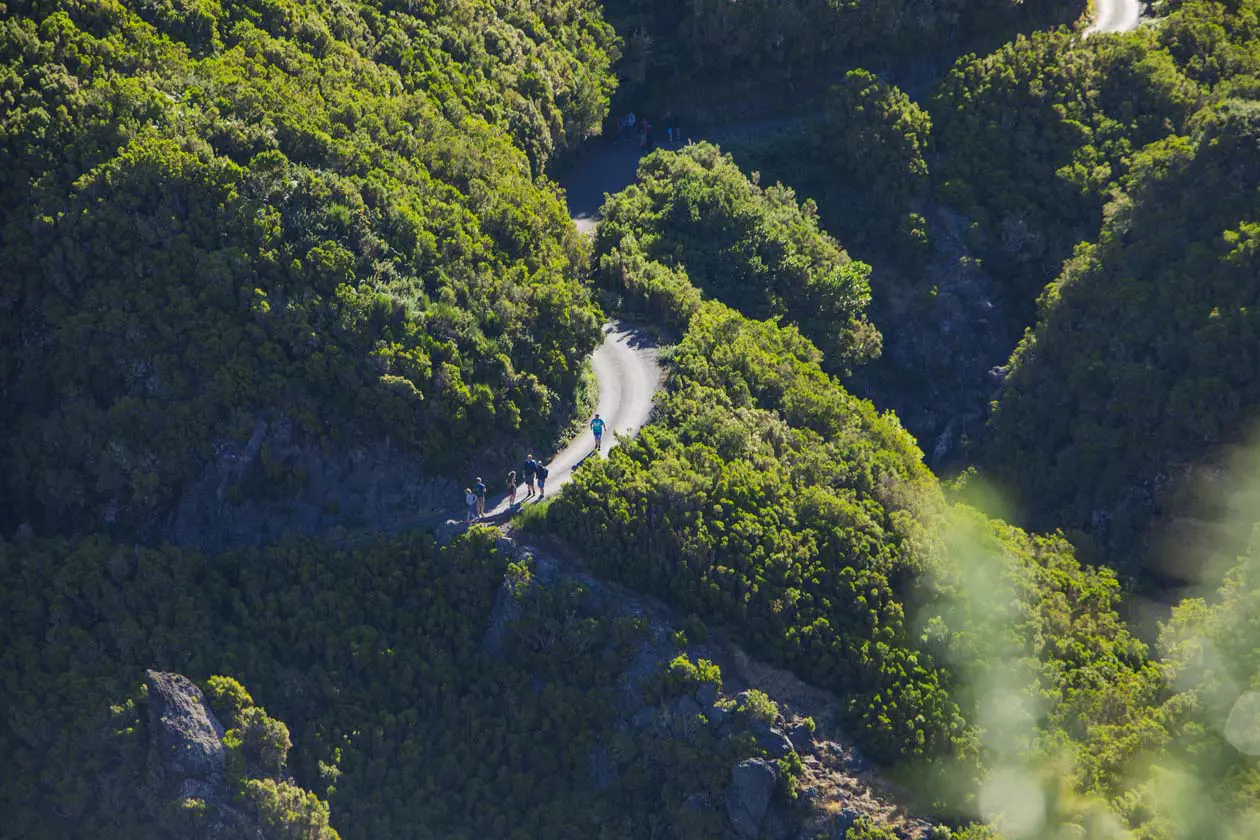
322 213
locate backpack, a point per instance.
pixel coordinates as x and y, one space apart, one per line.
542 471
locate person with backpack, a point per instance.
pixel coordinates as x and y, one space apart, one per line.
542 478
479 490
597 428
470 499
529 471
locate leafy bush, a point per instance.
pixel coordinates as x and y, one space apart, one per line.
696 215
227 698
758 707
878 138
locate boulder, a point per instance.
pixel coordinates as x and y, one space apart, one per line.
707 695
185 738
748 795
687 707
717 716
802 738
773 741
449 530
843 822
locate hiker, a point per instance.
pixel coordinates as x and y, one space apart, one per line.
597 428
630 119
669 127
511 487
542 478
529 471
470 499
479 490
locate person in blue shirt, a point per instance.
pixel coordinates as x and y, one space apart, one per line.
529 471
597 426
479 490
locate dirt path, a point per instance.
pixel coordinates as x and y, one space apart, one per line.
1115 16
629 373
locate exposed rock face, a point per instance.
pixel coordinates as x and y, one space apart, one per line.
748 796
373 485
939 348
186 740
187 763
773 741
802 737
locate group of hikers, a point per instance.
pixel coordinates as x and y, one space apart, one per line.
629 125
533 473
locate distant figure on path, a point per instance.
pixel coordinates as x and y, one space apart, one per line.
511 487
597 428
630 119
530 470
470 499
479 490
542 479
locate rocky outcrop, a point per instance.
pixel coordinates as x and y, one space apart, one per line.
311 489
748 795
185 738
187 764
835 778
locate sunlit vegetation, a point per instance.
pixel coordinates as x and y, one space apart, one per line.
322 213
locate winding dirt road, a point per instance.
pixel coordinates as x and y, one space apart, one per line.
1115 16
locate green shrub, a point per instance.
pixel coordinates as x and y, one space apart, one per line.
227 698
694 218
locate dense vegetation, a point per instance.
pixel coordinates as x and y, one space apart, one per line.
1151 327
401 712
1033 136
702 44
1154 328
215 212
768 500
331 216
756 249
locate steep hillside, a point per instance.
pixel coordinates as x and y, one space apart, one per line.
428 693
770 502
242 237
1145 358
1033 136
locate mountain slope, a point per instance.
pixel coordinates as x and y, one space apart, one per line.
236 232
